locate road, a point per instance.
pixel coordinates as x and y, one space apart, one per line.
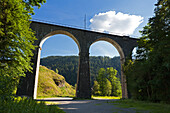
90 106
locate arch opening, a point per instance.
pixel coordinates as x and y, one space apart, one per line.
68 38
118 55
115 44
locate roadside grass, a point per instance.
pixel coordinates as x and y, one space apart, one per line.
106 97
48 102
143 106
41 97
25 105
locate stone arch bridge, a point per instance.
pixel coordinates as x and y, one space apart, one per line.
84 39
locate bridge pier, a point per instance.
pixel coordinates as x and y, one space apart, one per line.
83 80
83 39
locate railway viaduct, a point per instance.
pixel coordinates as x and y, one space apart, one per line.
84 39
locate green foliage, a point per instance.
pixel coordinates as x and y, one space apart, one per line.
148 76
25 105
68 66
102 78
56 70
96 88
16 43
115 82
108 88
107 83
51 84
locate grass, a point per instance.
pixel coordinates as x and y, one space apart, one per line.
41 97
49 103
25 105
143 106
105 97
52 84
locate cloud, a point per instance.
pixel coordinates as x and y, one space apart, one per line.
115 23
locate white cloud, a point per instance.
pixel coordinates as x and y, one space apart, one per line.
115 23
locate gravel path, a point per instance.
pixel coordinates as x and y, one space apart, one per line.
91 106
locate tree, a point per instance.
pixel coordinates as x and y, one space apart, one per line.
96 88
108 88
102 80
16 42
115 82
108 82
149 73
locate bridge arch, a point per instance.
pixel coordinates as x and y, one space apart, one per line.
122 61
59 32
39 53
84 39
114 43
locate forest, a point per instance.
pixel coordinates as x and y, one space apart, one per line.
148 76
68 66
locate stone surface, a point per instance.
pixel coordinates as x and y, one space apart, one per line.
84 39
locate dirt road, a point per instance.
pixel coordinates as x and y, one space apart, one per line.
91 106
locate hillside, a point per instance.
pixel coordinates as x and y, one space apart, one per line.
68 66
52 84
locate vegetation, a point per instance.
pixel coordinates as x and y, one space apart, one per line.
16 45
68 66
51 84
107 83
149 75
25 105
106 97
141 106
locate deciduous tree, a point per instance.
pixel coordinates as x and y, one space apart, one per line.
16 42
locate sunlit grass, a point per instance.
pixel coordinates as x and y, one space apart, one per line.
49 103
25 105
143 106
42 97
106 97
48 88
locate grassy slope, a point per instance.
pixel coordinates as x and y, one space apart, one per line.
47 84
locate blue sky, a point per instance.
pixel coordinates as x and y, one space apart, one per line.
110 12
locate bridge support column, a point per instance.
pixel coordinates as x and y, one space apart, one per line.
83 79
27 84
123 80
